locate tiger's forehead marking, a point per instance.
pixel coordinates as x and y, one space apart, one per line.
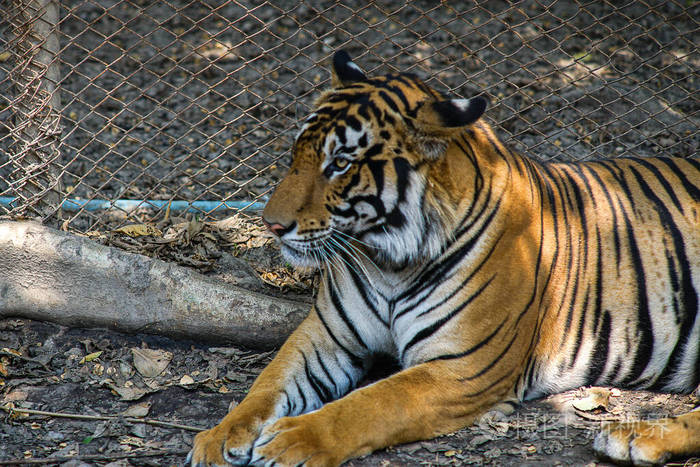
347 140
349 118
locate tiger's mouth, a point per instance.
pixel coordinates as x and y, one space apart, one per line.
331 248
301 257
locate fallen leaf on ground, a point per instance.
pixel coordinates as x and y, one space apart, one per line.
186 380
597 398
138 410
150 362
90 357
139 230
128 393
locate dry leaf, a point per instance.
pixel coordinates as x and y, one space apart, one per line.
90 357
186 380
597 398
149 362
128 393
138 410
139 230
16 395
193 228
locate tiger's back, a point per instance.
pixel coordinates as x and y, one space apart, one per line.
491 278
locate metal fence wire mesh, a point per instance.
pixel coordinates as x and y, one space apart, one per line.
200 100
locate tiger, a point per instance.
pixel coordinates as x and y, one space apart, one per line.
490 277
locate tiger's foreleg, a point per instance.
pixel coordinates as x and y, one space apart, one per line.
650 442
309 370
417 403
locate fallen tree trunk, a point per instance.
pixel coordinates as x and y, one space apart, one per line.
50 275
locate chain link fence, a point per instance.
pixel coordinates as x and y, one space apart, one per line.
110 109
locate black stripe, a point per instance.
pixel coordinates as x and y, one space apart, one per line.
692 189
374 150
389 101
340 134
689 296
675 283
600 329
340 311
493 362
574 291
402 168
303 397
351 380
354 180
354 123
336 391
459 287
619 176
355 361
579 330
431 329
373 200
645 345
575 188
662 180
616 235
478 180
376 168
473 348
291 405
400 94
361 287
599 356
435 273
531 374
324 394
494 383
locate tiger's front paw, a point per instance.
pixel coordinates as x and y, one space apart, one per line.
221 446
296 441
636 442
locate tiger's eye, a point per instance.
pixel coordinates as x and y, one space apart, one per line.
341 163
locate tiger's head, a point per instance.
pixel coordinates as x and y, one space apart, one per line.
368 171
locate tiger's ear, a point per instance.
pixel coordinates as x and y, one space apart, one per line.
450 114
436 122
344 70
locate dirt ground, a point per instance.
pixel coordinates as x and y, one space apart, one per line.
113 378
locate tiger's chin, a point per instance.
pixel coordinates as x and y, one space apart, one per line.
304 260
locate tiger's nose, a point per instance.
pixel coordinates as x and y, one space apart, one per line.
276 228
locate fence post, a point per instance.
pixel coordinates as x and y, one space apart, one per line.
34 152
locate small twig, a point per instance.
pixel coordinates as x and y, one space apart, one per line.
92 457
10 410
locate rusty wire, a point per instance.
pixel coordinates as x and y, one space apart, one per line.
199 100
